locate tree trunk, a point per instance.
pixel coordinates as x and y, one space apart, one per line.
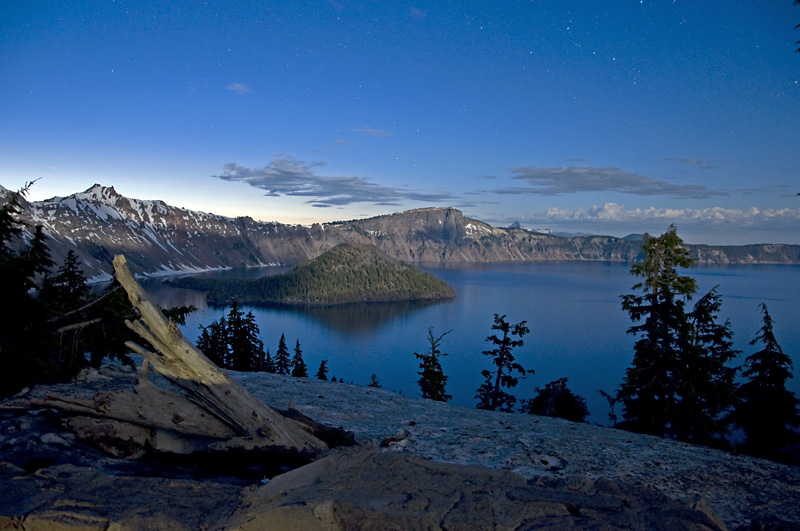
205 384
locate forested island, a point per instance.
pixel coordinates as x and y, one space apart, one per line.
347 273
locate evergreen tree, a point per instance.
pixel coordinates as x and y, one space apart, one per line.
107 339
28 348
214 343
490 394
556 400
322 372
269 363
282 363
705 383
70 306
234 342
239 340
432 380
679 384
374 382
68 289
766 411
299 369
649 392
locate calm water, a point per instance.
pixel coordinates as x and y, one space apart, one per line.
572 309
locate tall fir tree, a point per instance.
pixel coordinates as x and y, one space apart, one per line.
322 372
706 384
238 339
649 392
299 369
27 340
766 411
282 363
432 381
679 384
214 343
269 363
490 394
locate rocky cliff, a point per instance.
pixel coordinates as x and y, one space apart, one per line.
160 239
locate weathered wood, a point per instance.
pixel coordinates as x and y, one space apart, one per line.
206 385
148 406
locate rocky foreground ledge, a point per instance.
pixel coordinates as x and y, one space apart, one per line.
419 465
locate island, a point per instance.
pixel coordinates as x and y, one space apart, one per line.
347 273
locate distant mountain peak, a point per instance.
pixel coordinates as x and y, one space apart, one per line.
98 192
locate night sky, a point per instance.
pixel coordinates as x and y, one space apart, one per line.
575 116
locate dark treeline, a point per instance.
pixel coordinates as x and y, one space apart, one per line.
52 325
347 273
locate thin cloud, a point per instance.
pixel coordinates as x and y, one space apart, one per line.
703 164
239 88
574 179
616 213
372 132
343 142
287 176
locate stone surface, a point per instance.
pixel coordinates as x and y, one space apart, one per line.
365 489
44 481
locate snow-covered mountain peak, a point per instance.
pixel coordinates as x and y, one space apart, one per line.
98 192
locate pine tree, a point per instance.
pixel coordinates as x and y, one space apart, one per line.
282 363
374 382
299 369
238 340
214 343
490 394
706 384
432 380
267 364
322 372
28 346
766 411
556 400
649 392
68 289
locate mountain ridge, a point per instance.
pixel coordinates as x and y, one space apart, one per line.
159 239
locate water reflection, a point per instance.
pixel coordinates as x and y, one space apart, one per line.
352 317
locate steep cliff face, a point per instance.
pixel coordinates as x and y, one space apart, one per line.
160 239
445 235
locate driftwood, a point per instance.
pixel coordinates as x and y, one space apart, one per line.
206 385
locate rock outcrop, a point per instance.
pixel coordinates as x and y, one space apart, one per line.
420 465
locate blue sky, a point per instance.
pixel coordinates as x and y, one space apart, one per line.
577 116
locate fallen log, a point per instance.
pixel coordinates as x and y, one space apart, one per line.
206 385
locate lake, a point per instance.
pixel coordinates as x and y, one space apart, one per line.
572 309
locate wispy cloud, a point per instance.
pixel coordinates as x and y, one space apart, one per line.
574 179
613 212
417 13
287 176
704 164
239 88
372 132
